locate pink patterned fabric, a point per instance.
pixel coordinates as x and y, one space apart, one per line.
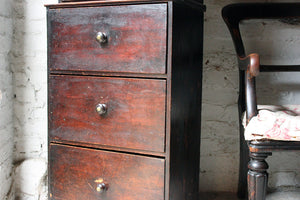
275 123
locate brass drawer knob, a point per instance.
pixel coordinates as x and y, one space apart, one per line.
101 109
101 187
101 37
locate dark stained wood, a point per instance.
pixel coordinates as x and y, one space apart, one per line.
257 176
135 115
244 154
136 38
279 68
259 150
75 0
169 100
97 3
193 4
113 148
127 177
109 74
175 75
251 70
270 146
187 49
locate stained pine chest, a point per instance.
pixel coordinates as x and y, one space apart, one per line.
124 98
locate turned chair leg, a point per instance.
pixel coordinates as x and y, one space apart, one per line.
257 176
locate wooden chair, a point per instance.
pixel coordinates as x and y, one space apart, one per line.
249 67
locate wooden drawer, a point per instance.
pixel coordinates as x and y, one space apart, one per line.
62 1
135 116
136 38
76 173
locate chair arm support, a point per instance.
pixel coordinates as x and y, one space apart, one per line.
250 65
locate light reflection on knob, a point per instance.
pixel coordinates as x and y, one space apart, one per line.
101 109
101 187
101 37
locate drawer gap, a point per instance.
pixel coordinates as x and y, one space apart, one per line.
107 74
113 149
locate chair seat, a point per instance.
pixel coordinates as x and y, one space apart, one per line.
280 123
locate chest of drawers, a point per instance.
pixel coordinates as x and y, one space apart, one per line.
124 96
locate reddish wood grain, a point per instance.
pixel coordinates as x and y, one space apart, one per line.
135 117
137 48
136 38
128 177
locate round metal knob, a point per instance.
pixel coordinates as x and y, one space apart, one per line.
101 109
101 187
101 37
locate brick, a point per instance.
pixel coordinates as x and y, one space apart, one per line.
6 105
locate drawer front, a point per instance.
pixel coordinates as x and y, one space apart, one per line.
135 38
77 173
134 116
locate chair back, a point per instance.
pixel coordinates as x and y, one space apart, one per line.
234 13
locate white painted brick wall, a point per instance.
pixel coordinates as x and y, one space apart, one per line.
220 137
29 66
29 63
6 95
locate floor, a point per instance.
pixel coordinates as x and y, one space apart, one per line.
282 195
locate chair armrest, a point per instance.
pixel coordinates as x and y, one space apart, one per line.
250 65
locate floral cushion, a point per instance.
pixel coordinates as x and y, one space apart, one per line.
274 123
